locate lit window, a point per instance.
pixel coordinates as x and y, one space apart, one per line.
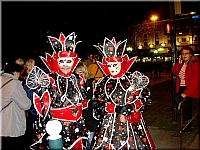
183 39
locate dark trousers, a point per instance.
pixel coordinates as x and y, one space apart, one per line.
29 133
12 143
187 106
21 142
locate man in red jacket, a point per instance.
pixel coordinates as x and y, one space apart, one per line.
187 71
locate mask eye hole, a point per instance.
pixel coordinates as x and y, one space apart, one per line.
61 61
109 65
68 61
114 65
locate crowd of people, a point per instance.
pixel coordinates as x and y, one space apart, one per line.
155 68
98 103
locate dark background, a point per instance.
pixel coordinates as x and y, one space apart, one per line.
26 25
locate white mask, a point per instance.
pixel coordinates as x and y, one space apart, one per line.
65 64
114 67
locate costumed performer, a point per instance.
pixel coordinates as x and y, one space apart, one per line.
60 97
121 97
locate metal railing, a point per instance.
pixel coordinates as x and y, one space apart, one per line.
195 110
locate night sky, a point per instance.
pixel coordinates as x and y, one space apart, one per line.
25 25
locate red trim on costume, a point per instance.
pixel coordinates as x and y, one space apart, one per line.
85 103
110 108
134 117
78 144
70 113
81 79
54 86
37 103
138 104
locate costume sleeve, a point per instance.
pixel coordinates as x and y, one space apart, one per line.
99 92
176 68
194 83
37 78
137 96
145 99
98 102
82 86
140 97
99 97
140 103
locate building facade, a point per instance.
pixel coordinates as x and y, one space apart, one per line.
151 42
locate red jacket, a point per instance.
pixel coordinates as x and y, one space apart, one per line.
192 77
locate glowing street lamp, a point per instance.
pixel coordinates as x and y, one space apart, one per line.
129 49
154 18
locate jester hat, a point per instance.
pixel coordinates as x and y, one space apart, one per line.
113 52
63 47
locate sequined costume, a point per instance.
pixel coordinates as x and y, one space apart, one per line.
120 99
60 95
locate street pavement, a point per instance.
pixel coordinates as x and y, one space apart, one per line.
166 140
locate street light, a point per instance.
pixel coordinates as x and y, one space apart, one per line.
154 18
129 49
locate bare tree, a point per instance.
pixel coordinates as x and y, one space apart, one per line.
134 31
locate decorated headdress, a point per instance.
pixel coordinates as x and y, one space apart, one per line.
113 52
63 47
